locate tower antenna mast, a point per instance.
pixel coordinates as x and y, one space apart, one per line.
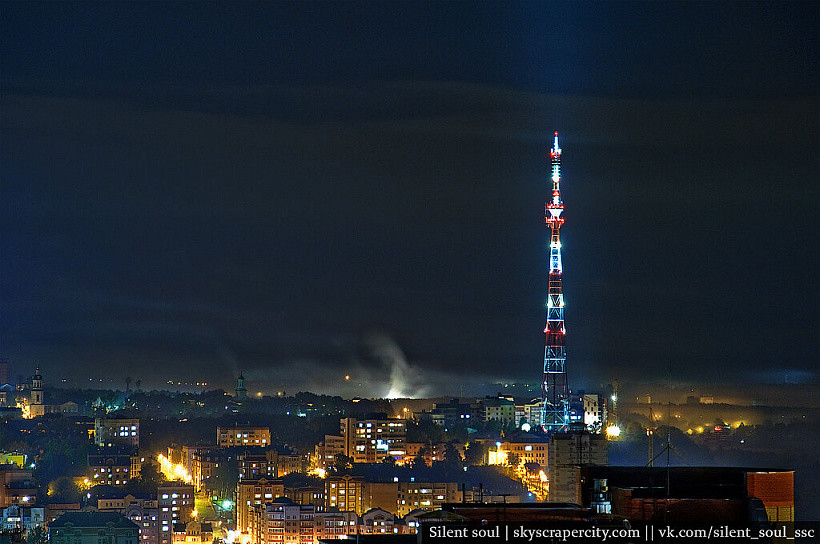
554 389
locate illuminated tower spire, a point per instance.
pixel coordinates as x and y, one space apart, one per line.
554 388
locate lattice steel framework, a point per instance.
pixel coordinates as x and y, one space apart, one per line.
554 389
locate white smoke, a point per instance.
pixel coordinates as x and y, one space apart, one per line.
404 379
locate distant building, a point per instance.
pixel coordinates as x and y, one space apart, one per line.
193 532
270 463
242 435
17 486
428 495
110 466
287 462
184 455
453 413
205 464
529 412
93 528
255 465
7 394
399 490
501 410
587 410
22 518
117 432
431 453
377 521
327 450
304 492
136 464
332 525
36 404
594 412
7 458
69 408
142 510
281 521
527 447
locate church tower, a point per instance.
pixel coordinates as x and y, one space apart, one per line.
36 406
241 392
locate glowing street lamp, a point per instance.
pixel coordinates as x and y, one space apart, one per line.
613 431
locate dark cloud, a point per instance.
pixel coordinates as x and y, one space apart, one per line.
205 241
204 188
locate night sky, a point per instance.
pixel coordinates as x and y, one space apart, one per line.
306 190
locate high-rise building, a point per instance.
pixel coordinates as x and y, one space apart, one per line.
566 453
345 492
371 440
252 493
175 504
554 387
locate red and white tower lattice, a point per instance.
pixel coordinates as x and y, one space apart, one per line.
554 388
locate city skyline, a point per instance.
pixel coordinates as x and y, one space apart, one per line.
309 192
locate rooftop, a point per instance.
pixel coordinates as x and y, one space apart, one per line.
93 519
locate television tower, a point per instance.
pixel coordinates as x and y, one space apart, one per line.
554 388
